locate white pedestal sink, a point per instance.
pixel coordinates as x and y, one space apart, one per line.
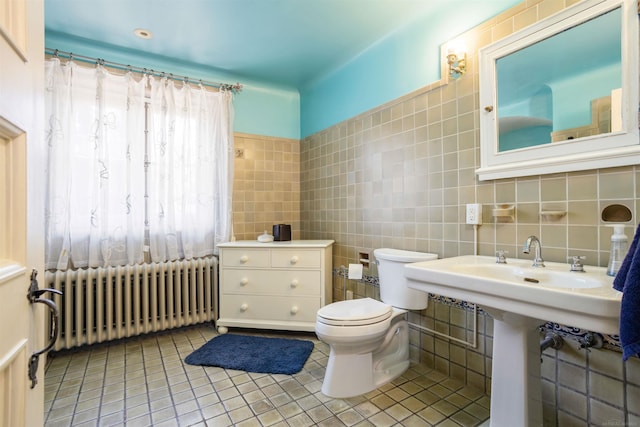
520 298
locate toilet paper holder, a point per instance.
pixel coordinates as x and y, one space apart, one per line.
363 258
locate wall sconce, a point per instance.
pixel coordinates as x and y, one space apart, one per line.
457 62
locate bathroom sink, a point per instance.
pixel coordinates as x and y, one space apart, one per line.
552 293
519 298
530 275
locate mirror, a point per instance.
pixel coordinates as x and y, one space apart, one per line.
562 94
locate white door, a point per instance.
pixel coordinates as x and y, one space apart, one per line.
22 326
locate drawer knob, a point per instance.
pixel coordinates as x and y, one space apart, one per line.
294 259
244 259
294 310
244 307
295 283
244 281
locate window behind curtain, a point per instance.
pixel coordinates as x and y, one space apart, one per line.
111 148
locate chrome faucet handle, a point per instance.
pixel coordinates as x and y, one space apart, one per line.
501 256
576 263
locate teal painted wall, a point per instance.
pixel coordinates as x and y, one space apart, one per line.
260 109
403 62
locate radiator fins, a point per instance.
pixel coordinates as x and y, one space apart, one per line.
104 304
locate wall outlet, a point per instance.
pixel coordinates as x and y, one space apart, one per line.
474 213
349 294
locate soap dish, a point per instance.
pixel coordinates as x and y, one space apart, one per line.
552 215
504 213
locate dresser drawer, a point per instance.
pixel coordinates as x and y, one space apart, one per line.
249 258
294 309
273 282
295 258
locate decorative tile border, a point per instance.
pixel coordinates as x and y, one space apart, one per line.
609 342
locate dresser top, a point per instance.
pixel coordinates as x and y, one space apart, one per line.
287 244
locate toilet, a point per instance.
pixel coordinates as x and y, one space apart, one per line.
369 339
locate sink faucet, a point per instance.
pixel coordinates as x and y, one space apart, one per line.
537 257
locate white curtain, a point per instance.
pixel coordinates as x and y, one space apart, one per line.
101 196
190 170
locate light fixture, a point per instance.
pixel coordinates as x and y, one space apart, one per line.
142 33
457 61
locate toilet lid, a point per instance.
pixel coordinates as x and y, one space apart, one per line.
355 312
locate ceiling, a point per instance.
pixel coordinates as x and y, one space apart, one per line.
288 42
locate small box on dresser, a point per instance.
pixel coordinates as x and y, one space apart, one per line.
277 285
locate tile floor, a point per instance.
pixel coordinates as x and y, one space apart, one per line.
144 382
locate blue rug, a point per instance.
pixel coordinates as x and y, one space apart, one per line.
253 354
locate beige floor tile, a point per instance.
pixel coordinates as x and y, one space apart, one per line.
319 413
270 417
398 412
144 381
367 409
240 414
300 420
290 410
350 417
431 415
414 405
251 422
382 419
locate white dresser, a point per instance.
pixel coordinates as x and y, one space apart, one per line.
278 285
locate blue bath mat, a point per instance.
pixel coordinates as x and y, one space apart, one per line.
253 354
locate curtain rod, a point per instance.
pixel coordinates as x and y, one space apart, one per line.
235 88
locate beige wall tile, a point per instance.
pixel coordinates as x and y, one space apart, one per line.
527 213
527 190
633 399
553 189
616 185
572 376
603 414
583 237
583 187
554 236
266 186
633 371
599 361
574 402
505 191
584 213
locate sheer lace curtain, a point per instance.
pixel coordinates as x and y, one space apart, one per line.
190 170
126 171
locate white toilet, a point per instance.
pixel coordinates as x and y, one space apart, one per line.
369 339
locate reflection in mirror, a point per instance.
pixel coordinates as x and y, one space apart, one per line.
561 95
563 87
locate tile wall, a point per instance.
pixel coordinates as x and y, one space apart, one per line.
400 176
266 185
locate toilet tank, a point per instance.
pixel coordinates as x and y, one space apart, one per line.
393 285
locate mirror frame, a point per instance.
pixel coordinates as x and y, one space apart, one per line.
613 149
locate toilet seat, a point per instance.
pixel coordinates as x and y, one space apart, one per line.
365 311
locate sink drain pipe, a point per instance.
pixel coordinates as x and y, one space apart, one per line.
552 340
